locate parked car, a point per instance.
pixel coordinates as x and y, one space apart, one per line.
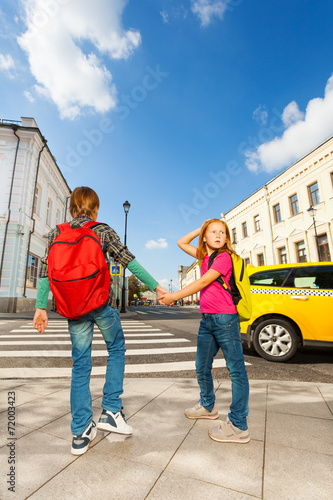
292 307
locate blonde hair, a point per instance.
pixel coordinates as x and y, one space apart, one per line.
83 201
202 248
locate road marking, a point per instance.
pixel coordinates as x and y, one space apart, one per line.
150 312
65 336
52 330
96 353
100 370
95 342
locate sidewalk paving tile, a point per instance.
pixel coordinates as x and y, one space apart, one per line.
292 473
150 444
235 466
298 400
39 458
173 486
290 455
21 397
304 433
327 393
97 475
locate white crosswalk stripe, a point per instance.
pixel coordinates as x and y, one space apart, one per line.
148 342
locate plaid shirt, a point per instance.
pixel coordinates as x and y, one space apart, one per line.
111 246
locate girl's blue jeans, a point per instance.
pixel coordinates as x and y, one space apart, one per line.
81 332
223 330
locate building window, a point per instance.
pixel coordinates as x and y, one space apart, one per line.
277 213
58 217
244 226
234 236
32 273
324 250
49 212
294 205
257 223
261 260
314 194
36 201
247 262
283 255
301 251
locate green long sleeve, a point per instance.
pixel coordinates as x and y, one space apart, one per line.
42 293
142 274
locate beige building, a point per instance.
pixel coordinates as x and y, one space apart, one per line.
289 219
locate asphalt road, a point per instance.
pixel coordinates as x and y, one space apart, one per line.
309 365
156 336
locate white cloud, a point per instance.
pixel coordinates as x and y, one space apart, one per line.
207 10
54 42
304 132
157 244
166 284
165 16
260 114
6 63
292 114
29 96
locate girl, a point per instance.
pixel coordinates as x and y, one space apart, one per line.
219 327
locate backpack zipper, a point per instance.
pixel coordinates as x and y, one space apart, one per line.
93 275
75 242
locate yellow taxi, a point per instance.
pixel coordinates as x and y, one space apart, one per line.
292 306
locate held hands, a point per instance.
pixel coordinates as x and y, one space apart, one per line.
161 292
40 320
168 299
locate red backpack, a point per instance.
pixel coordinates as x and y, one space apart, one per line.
78 273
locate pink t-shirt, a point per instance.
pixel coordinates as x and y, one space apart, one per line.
213 298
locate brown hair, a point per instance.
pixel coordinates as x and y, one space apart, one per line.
202 249
83 201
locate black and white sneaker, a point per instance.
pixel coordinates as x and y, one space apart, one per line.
81 442
114 422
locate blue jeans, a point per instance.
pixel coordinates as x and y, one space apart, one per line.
81 332
223 330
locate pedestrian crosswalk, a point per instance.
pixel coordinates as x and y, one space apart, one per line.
163 310
24 352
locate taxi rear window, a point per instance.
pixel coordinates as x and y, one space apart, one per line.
274 277
313 277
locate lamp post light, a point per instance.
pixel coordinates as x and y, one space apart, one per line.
171 285
126 206
312 212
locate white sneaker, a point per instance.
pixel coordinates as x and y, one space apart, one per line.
114 422
81 442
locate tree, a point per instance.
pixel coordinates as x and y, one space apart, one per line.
135 287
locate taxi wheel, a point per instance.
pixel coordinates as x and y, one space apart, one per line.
275 340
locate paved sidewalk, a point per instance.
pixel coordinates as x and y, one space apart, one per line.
290 455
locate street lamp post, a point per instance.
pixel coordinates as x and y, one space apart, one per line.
312 212
126 206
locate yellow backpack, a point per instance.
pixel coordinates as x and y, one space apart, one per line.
239 283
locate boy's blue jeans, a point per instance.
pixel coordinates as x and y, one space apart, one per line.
81 332
223 330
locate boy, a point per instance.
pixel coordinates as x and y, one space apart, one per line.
84 205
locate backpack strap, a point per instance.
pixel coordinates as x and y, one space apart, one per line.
64 227
91 224
219 279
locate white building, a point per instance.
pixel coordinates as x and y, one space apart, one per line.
33 199
274 225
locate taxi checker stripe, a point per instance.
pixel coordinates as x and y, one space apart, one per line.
270 291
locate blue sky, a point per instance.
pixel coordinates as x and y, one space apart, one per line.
184 108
